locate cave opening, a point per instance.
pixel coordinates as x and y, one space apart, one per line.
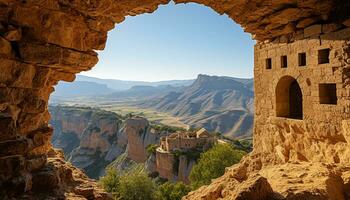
176 47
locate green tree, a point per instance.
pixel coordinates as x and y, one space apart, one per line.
111 181
132 185
129 115
172 191
212 164
136 186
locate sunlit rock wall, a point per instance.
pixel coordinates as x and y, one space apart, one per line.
318 136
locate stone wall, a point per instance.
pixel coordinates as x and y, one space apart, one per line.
187 143
185 167
173 168
165 164
296 157
178 167
319 135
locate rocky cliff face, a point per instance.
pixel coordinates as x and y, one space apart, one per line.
90 138
140 135
93 139
172 167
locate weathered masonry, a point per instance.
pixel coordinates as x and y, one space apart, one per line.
302 84
301 91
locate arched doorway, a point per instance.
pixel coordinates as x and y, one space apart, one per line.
289 98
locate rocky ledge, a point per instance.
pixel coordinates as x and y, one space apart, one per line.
289 181
59 179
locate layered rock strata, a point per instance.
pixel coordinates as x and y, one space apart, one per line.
139 134
90 138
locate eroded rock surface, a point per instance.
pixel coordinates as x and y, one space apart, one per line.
288 181
140 135
90 138
57 179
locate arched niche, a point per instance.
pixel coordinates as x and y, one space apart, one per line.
289 98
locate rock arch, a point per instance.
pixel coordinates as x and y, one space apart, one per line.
43 42
289 98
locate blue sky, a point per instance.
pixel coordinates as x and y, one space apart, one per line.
176 42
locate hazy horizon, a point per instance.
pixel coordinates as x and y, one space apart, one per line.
164 80
177 42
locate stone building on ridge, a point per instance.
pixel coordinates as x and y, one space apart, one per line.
187 140
176 167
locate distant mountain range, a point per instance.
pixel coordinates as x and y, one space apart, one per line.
90 86
222 104
217 103
81 88
142 92
120 85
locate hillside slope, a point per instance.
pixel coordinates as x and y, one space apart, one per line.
81 88
141 92
222 104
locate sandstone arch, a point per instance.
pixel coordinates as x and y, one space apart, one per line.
289 99
43 42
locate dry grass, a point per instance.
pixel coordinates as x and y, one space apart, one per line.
124 108
150 114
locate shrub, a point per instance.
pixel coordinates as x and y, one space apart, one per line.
129 115
212 164
172 191
137 186
247 144
151 148
134 185
165 128
111 181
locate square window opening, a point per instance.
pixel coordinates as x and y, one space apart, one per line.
268 63
284 62
323 56
328 93
302 59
